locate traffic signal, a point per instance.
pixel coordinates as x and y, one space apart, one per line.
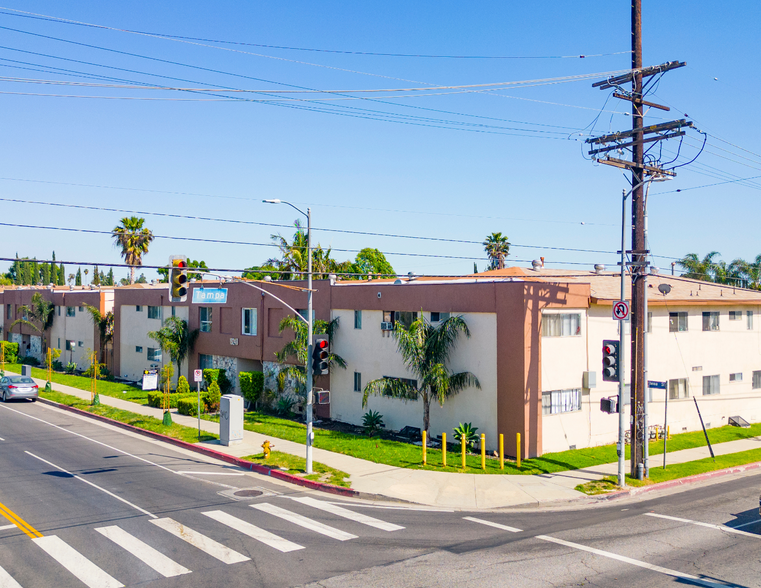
610 361
320 355
609 405
178 280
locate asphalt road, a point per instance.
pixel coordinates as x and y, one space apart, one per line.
87 505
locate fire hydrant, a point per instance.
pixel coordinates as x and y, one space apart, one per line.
267 447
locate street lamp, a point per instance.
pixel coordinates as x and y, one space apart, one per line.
310 434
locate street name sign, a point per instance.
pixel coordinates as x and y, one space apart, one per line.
209 295
656 384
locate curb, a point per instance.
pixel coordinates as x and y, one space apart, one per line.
682 481
241 463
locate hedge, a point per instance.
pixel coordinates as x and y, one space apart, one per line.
251 385
220 377
188 406
11 352
156 399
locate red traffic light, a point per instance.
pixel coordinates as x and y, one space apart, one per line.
608 349
322 344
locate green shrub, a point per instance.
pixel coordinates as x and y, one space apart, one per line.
71 367
251 385
284 406
182 385
11 352
373 422
188 406
29 360
468 432
220 377
156 399
57 366
212 397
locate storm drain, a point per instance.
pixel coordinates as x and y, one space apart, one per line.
247 493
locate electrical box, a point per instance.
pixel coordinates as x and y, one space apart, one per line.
609 405
589 380
231 419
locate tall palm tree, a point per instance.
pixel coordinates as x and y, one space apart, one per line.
105 325
425 350
293 255
176 339
699 269
134 240
497 248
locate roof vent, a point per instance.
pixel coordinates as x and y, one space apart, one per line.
267 278
398 282
654 270
411 276
599 268
332 279
536 264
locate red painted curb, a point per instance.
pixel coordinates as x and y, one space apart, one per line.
682 481
241 463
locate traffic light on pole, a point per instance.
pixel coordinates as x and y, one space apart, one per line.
610 361
320 355
178 279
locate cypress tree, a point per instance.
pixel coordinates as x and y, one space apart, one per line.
26 271
78 279
95 276
35 272
53 271
45 274
61 275
17 271
111 277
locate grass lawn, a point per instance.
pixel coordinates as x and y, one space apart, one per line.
148 423
297 466
106 388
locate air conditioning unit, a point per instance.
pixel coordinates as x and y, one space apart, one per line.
387 326
323 397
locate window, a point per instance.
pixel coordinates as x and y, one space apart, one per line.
710 321
749 319
304 314
80 343
756 380
9 311
154 354
710 385
138 349
357 319
59 312
248 321
557 401
736 377
561 325
391 317
357 382
439 317
59 343
409 381
677 322
70 345
153 312
204 313
173 310
735 315
81 309
71 311
138 308
679 388
205 362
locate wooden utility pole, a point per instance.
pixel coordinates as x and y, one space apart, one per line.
639 255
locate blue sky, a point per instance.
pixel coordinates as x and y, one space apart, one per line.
519 168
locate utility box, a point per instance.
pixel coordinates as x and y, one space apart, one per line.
231 419
26 370
589 380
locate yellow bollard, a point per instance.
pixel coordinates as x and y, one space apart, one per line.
668 433
483 451
425 444
444 449
518 449
462 438
501 451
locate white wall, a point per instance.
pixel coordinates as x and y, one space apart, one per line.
373 353
79 328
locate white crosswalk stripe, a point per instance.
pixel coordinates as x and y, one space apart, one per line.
144 552
202 542
6 581
76 563
346 513
491 524
253 531
303 521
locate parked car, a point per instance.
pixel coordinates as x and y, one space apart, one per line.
18 387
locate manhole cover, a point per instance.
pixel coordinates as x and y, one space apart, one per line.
248 493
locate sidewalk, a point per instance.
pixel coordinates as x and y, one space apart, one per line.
440 489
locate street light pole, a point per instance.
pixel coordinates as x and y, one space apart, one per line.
309 321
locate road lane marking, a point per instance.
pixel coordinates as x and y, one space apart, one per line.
495 525
709 525
392 507
634 562
253 531
212 473
6 581
745 524
148 461
76 563
81 479
144 552
1 439
19 522
202 542
6 527
303 521
346 513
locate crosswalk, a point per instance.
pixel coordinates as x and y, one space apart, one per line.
149 552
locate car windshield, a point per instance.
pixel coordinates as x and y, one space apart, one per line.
20 380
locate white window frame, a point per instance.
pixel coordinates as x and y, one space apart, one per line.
252 321
679 388
357 382
749 319
711 385
561 324
678 320
205 323
357 319
154 353
71 311
711 320
561 401
756 384
736 377
154 310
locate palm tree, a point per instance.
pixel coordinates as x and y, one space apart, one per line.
425 350
297 349
293 255
176 339
497 248
105 324
134 240
698 269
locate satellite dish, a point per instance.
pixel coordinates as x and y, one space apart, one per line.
664 288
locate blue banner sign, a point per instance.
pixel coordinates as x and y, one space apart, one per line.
657 385
209 295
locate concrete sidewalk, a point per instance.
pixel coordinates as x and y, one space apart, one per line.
442 489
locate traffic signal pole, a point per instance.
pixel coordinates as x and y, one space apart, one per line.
621 355
310 343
